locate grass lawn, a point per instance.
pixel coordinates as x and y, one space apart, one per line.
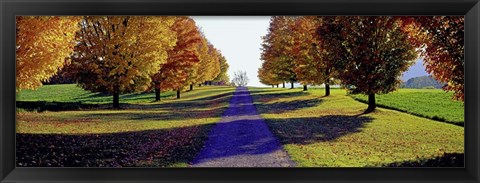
72 93
331 131
430 103
144 133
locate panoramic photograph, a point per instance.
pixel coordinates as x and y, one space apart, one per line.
240 91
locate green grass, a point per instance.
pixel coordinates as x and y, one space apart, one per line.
72 93
331 131
430 103
165 133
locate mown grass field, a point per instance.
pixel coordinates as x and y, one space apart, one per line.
430 103
331 131
72 93
143 133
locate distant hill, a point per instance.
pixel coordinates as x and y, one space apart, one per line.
422 82
416 70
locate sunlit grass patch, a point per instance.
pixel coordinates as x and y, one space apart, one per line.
334 133
430 103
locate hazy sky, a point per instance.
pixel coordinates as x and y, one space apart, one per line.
239 39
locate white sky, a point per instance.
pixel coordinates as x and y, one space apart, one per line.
239 40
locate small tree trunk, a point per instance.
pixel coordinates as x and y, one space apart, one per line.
371 103
291 86
191 87
305 88
273 86
157 94
327 89
277 85
116 100
178 93
283 84
199 85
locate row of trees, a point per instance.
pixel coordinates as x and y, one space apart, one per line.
117 54
366 54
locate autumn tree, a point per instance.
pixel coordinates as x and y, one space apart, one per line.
313 64
266 76
119 54
440 40
42 45
223 75
377 52
174 73
209 66
277 48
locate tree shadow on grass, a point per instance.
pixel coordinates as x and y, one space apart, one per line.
281 107
193 104
159 148
446 160
316 129
271 95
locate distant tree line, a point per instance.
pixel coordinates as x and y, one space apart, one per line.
365 54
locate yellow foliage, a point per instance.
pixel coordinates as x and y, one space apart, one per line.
42 45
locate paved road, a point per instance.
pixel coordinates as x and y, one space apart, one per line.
242 139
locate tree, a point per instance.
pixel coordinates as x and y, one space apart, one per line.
42 45
240 79
277 48
377 52
119 54
223 75
266 75
174 73
209 66
329 36
440 40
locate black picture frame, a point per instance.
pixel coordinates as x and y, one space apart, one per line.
11 8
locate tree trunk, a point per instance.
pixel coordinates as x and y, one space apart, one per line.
273 86
178 93
371 103
116 100
327 89
210 83
191 87
291 86
199 85
157 94
277 85
283 84
305 88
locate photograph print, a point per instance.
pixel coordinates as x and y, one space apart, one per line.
240 91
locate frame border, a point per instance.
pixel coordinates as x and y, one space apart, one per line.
11 8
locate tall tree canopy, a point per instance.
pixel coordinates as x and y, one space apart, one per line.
42 45
119 54
209 66
377 52
313 64
277 48
441 43
174 73
223 75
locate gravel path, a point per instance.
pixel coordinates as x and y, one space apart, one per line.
242 139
